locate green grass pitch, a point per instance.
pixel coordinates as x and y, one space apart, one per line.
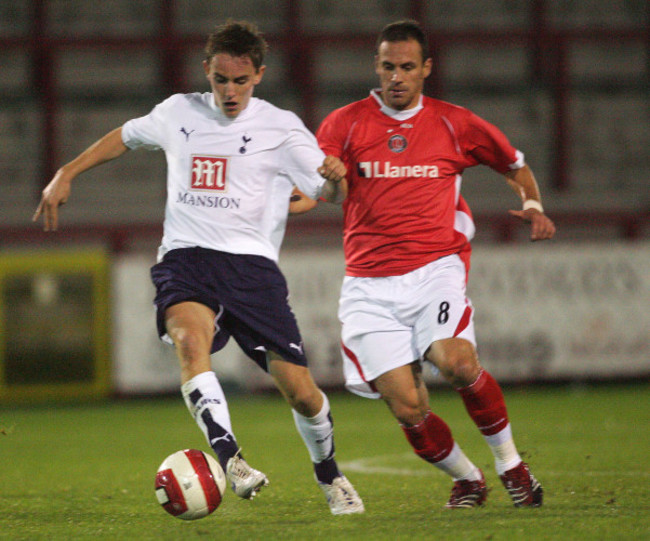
87 471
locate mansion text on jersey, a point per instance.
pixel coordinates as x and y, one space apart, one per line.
209 201
386 170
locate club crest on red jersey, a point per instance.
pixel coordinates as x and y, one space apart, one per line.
397 143
208 173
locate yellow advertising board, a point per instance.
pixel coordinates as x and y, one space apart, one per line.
54 325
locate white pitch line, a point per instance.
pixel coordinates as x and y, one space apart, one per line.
366 465
371 465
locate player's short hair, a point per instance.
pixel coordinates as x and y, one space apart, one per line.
403 31
237 38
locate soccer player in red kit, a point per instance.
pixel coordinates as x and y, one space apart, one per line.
406 242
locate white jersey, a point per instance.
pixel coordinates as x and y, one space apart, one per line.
228 180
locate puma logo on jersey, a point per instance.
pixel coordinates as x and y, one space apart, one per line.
186 133
386 170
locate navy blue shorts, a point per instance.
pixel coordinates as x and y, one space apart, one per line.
247 292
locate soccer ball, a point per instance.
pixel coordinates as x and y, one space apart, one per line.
190 484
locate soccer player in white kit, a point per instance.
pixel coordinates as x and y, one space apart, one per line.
232 163
406 240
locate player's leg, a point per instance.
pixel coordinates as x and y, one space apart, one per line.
311 413
457 361
313 419
406 395
261 321
378 347
190 325
445 333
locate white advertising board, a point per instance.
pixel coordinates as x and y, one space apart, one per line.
546 311
543 311
141 362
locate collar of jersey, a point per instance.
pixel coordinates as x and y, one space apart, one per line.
394 113
221 117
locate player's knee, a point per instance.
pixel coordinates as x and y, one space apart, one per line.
457 361
410 416
190 345
304 400
304 403
462 370
408 410
466 372
304 396
300 392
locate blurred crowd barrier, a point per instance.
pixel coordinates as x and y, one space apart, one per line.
568 82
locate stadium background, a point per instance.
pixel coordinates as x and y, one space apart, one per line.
567 82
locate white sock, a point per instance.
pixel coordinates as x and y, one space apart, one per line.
317 432
458 466
504 450
206 401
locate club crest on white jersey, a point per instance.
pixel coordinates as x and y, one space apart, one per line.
378 169
208 173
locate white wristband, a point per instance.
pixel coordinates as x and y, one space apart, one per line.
533 204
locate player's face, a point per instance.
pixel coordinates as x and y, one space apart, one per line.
232 79
401 73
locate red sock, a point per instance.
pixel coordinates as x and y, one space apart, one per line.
485 404
431 439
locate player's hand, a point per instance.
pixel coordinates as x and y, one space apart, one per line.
54 195
542 227
332 169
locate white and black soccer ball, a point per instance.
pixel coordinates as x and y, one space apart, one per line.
190 484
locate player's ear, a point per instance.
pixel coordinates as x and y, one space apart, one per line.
206 68
260 74
428 65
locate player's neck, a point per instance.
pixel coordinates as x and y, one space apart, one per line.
402 115
226 119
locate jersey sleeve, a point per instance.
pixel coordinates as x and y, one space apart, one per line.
148 131
488 145
331 135
301 159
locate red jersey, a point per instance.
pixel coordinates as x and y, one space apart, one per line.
404 208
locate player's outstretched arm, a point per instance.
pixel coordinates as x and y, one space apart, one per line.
57 192
333 171
523 182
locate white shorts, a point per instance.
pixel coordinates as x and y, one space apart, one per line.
391 321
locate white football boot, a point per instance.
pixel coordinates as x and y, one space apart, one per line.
341 497
245 481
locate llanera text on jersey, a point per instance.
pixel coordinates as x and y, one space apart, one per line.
386 170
